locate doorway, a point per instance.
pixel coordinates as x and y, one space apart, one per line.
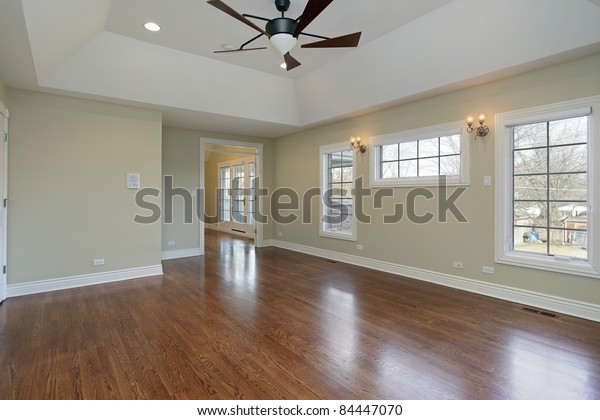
242 206
3 197
236 196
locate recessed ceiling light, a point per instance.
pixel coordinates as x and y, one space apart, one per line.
283 65
151 26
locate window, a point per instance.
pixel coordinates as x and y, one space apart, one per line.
236 196
420 157
252 192
225 194
545 158
337 182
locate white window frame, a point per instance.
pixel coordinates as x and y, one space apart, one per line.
504 194
442 130
324 151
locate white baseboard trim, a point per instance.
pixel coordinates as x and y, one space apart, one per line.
521 296
180 253
268 242
52 285
219 227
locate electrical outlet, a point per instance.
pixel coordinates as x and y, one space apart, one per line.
99 261
457 265
279 233
171 243
359 247
487 181
487 270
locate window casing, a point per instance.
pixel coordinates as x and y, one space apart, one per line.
547 187
337 200
419 157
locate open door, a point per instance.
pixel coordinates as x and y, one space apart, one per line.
3 196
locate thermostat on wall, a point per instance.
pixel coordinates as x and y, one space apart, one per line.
133 181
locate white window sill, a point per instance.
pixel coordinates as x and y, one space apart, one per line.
338 235
557 265
417 182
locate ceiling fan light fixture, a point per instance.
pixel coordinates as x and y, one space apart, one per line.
152 27
283 42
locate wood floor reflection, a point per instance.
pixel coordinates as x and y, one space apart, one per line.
241 323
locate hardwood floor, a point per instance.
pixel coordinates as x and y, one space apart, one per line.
241 323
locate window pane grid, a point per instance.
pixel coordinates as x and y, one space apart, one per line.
550 188
551 146
251 182
420 158
224 195
338 210
238 190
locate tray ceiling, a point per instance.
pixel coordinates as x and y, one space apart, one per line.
99 49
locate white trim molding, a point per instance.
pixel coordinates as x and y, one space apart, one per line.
52 285
180 253
511 294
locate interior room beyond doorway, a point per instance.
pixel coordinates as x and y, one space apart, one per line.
230 203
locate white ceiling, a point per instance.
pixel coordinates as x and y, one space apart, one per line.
202 29
409 49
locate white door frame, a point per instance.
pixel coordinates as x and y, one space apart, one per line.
3 197
258 237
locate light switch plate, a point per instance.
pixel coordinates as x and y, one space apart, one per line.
133 181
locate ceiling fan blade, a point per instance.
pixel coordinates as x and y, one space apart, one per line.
344 41
290 62
225 8
311 11
240 49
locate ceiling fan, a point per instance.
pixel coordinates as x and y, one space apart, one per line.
283 32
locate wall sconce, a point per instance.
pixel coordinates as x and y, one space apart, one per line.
480 131
355 145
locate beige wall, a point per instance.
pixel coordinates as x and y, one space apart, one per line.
181 159
2 91
434 246
69 203
181 156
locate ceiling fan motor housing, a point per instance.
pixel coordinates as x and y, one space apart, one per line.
281 26
282 5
